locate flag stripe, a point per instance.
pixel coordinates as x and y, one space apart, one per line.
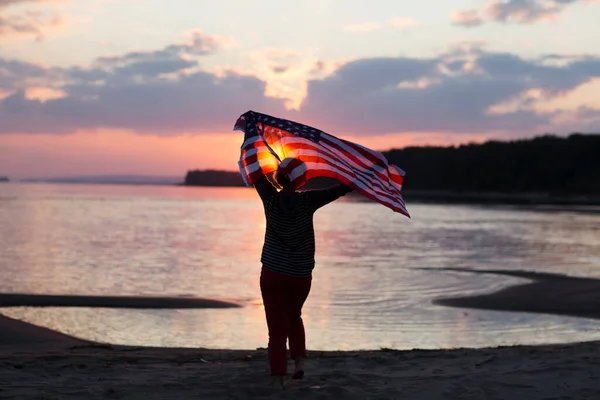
269 141
346 178
366 184
324 158
359 151
316 168
309 155
336 171
379 180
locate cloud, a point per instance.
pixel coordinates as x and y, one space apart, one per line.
517 11
402 22
396 22
160 92
196 103
469 18
17 75
526 11
364 27
28 22
168 92
6 3
199 45
460 91
280 69
174 58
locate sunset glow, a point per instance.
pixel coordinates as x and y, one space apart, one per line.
158 94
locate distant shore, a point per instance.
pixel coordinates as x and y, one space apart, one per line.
436 196
415 196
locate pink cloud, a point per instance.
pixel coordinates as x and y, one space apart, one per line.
363 27
166 92
6 3
403 22
468 18
28 22
200 44
517 11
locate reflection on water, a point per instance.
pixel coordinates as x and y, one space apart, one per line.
205 242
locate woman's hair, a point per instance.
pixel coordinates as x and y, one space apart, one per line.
282 178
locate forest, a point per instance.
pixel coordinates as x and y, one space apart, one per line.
549 165
545 164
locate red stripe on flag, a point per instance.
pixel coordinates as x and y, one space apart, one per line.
365 170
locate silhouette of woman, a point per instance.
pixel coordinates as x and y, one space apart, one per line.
288 258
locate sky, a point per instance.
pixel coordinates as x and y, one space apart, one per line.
103 87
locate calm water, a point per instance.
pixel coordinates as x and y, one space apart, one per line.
368 291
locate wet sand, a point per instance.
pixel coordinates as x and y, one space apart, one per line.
18 333
38 363
45 365
546 293
42 300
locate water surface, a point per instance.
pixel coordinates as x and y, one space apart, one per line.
369 290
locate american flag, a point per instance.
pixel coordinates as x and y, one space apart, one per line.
271 141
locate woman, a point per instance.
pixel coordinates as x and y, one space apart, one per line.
288 258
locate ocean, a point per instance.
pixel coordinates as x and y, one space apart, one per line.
376 275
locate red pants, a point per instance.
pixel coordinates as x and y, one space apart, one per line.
283 298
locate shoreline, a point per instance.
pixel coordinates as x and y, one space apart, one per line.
67 368
525 199
37 362
52 300
542 293
416 196
545 293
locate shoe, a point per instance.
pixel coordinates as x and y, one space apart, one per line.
298 374
277 381
299 370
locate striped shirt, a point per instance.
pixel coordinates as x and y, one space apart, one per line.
289 246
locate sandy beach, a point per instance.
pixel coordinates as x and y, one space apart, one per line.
44 365
544 293
38 363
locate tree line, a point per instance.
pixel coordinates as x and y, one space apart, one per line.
546 164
